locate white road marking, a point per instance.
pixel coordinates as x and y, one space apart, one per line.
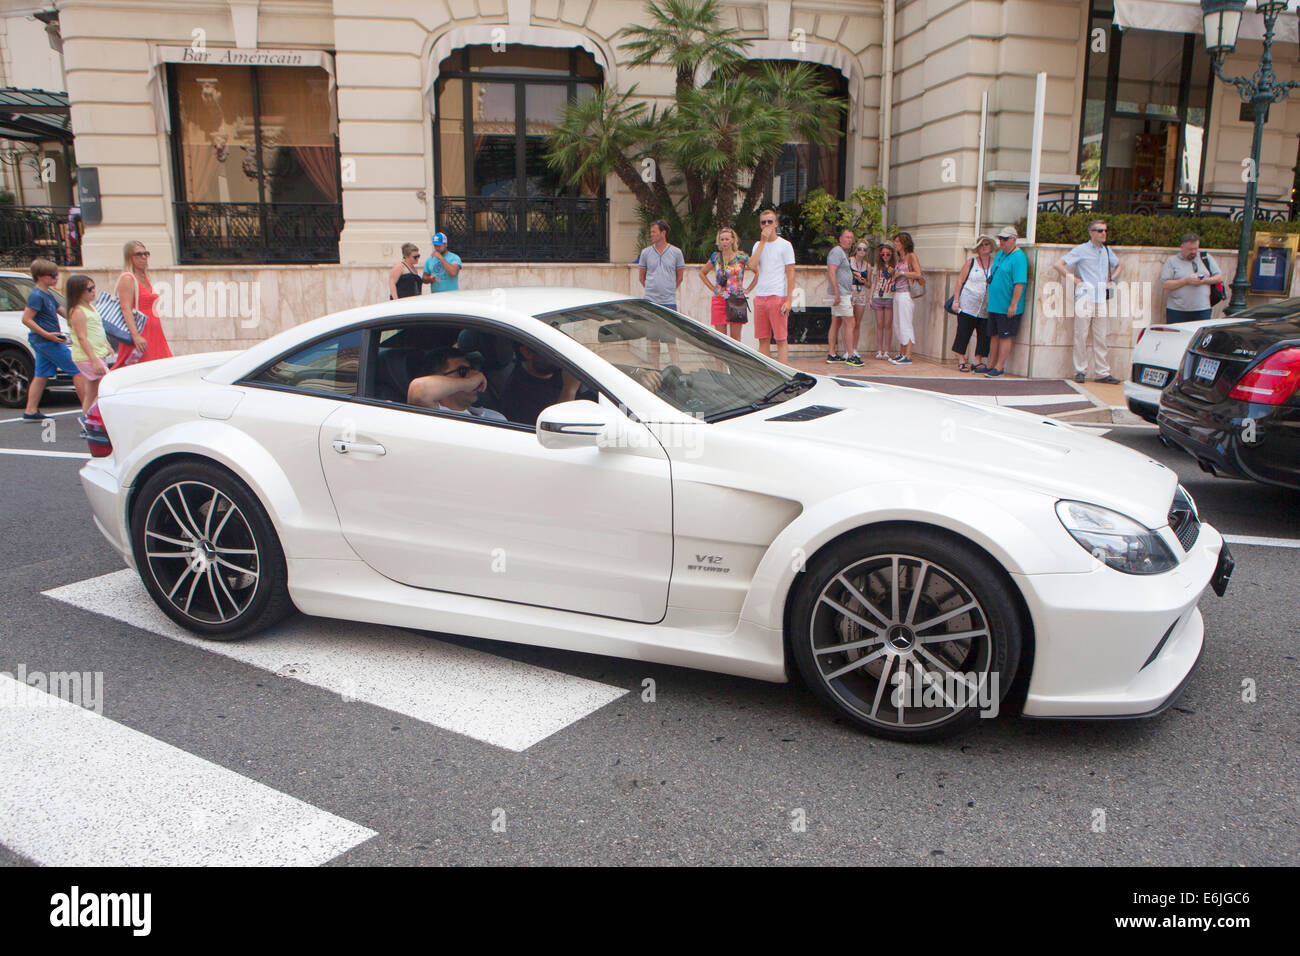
73 411
78 789
1261 542
483 696
33 453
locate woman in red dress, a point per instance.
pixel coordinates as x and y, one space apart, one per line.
135 292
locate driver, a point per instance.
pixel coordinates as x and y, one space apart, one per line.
453 387
536 383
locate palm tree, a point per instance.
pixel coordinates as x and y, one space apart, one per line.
726 127
686 34
809 114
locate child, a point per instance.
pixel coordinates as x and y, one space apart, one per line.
89 343
41 316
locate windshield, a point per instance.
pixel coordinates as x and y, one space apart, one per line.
687 365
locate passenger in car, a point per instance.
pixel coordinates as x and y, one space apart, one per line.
536 383
453 386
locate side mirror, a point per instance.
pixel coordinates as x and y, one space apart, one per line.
574 424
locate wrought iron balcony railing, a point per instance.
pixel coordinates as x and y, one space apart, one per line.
222 233
34 232
526 229
1220 205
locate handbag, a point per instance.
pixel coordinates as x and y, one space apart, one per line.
916 287
1217 292
737 309
110 313
950 306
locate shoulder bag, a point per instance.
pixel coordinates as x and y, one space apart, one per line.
109 308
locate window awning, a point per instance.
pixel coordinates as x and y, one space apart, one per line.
229 56
1184 16
37 116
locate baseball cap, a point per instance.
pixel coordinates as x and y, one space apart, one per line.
1009 233
439 239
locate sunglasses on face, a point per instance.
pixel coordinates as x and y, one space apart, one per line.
767 222
462 371
141 252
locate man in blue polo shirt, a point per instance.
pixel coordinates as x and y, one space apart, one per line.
442 269
1007 281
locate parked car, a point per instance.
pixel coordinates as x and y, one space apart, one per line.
17 361
909 554
1234 404
1156 356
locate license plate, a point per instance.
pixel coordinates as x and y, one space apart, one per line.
1154 376
1207 368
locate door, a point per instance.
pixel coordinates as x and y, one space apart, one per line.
440 501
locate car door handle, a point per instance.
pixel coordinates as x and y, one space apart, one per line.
360 448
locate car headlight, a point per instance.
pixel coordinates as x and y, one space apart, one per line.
1116 541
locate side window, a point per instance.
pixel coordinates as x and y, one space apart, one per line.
329 367
13 294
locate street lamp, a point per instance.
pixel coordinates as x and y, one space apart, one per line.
1222 20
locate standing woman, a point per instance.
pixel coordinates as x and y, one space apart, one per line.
404 279
860 266
972 307
724 276
135 293
908 271
882 298
89 343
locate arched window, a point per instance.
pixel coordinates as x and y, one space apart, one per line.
497 199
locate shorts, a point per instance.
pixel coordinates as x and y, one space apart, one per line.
845 309
88 370
880 305
859 296
769 321
52 358
1003 326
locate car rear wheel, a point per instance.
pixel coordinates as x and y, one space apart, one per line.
908 632
207 552
16 368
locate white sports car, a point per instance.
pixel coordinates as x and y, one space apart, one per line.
580 470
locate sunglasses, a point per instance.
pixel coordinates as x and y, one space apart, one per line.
462 371
767 222
141 252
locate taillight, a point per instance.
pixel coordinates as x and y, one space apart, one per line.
1272 381
97 434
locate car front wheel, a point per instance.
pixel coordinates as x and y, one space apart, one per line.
909 632
207 552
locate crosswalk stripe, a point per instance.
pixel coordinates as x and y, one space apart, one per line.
1261 542
484 696
34 453
78 789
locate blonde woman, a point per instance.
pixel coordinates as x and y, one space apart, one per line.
860 265
135 292
724 275
908 271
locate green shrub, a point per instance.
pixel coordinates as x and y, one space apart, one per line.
1133 229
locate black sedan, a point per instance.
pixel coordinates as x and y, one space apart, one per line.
1234 404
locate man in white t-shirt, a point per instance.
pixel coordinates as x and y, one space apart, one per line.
773 260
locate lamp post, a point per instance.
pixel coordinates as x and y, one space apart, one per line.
1222 19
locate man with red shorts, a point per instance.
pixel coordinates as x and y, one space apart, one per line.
773 260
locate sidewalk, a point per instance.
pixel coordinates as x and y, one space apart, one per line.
1053 397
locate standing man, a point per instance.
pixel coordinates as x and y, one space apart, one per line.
773 260
1007 281
442 269
662 267
1092 266
839 279
1187 276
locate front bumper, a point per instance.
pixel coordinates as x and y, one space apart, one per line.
1117 645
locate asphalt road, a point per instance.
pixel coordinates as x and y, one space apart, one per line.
716 769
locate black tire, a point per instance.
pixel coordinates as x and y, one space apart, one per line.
216 566
862 680
16 370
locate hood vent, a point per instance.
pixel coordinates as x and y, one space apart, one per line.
806 414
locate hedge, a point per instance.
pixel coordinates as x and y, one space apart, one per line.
1133 229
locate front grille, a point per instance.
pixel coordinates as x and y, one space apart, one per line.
1183 520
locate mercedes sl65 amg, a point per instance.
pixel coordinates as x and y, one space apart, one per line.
581 470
